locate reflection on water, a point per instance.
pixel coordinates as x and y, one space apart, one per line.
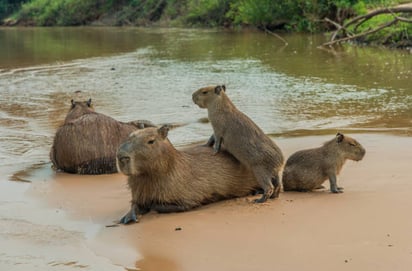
284 89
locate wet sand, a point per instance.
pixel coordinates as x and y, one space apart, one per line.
366 228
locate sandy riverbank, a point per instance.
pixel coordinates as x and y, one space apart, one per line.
366 228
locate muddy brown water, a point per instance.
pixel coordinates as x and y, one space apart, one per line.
134 73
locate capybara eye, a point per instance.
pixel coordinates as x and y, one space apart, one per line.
352 144
150 141
204 92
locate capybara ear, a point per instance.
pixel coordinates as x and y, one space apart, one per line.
224 88
89 102
218 89
73 103
163 131
339 137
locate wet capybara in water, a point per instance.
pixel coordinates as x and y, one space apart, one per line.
242 138
306 170
164 179
87 141
78 109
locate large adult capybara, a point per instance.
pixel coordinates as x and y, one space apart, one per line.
87 141
242 138
164 179
306 170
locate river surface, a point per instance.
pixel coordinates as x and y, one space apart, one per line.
134 73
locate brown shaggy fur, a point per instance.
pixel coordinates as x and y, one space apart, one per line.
87 142
306 170
164 179
78 109
242 138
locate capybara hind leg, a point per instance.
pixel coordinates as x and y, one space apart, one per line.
264 197
276 187
265 183
143 209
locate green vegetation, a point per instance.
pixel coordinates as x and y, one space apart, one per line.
9 6
286 15
61 12
294 15
398 35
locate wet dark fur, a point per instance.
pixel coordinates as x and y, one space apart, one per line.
87 142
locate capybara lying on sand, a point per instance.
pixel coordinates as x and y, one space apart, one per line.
87 142
306 170
164 179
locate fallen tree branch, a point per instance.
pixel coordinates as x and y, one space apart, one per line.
362 34
338 28
359 20
364 18
402 19
276 35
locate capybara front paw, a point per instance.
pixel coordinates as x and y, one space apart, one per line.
129 218
337 190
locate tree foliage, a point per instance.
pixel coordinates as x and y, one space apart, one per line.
7 7
289 15
389 26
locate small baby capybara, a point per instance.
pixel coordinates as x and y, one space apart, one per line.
87 141
164 179
306 170
242 138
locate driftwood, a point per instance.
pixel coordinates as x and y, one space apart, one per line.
275 35
359 20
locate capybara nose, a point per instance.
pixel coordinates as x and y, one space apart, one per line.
362 154
122 155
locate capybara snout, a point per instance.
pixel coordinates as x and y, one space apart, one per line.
355 150
123 161
124 158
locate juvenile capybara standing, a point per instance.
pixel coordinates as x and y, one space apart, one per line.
306 170
87 141
164 179
242 138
